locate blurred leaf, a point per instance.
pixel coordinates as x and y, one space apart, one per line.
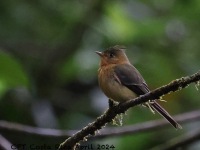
135 141
68 70
118 25
11 73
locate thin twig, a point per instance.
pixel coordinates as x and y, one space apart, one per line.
180 141
5 144
10 126
107 132
111 113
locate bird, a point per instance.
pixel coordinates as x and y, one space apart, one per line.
121 81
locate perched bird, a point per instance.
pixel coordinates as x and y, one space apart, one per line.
120 81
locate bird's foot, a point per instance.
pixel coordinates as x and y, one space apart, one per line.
162 100
149 106
111 103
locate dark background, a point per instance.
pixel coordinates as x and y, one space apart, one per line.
48 65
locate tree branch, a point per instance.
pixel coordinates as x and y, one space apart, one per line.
101 121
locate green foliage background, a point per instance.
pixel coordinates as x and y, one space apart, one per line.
48 68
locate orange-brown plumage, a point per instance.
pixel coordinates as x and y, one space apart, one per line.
120 81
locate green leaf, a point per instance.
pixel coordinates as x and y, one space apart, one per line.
11 73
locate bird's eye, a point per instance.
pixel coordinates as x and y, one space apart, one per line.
111 55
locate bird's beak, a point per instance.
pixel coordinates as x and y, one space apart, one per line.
99 53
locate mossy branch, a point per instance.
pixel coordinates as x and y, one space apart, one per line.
111 113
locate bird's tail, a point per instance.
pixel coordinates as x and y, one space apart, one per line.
165 114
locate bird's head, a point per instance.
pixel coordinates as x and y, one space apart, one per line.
113 55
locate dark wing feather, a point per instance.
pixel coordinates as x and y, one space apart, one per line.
129 76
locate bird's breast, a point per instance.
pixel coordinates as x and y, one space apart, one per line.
112 88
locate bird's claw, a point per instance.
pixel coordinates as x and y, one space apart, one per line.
162 100
149 106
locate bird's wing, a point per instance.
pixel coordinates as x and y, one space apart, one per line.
129 76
